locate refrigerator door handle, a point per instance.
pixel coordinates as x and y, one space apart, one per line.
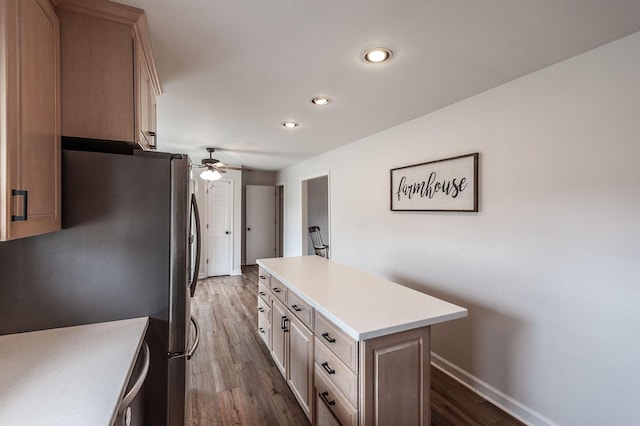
196 340
196 268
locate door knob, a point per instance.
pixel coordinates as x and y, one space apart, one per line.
248 229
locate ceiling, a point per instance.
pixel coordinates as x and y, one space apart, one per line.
232 71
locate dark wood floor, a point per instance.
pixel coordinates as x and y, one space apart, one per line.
235 382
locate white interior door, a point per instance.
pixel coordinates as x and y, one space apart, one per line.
260 232
219 228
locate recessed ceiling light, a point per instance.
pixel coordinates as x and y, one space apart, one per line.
320 100
290 124
377 55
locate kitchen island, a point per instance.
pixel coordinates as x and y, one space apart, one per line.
72 376
354 348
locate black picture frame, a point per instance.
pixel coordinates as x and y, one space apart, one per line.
446 185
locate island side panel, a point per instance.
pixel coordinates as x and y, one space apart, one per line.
395 379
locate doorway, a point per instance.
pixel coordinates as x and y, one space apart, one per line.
260 233
315 211
279 220
219 221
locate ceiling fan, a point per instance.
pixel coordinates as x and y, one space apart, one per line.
214 168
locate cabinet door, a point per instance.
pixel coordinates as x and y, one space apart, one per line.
300 368
279 329
142 99
145 101
30 112
395 377
97 74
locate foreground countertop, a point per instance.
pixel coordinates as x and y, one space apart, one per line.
363 305
72 376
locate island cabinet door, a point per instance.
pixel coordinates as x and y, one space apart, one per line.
279 329
300 368
394 379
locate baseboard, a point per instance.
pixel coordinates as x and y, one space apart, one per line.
236 272
493 395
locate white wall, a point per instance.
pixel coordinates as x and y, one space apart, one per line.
550 266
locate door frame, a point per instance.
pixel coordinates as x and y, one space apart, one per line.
231 224
280 219
304 214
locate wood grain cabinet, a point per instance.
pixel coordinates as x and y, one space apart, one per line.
300 364
29 118
292 352
342 370
378 381
279 343
109 80
291 339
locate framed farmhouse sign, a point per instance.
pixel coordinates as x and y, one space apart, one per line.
449 185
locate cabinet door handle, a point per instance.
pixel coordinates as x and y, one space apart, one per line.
328 369
328 338
325 397
262 293
261 330
262 277
283 323
296 308
261 309
16 193
276 290
152 135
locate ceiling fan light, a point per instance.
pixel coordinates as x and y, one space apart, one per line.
210 174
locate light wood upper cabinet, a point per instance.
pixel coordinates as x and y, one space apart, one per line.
145 101
29 118
109 79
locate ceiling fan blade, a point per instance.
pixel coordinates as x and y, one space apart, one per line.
236 168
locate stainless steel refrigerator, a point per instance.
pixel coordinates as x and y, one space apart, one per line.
129 223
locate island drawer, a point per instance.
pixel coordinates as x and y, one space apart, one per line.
300 309
279 290
264 310
337 341
329 397
330 366
264 293
264 329
264 276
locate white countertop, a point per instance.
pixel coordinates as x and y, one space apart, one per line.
363 305
72 376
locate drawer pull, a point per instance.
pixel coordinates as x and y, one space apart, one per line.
261 309
276 290
262 277
325 397
261 330
328 338
328 369
262 293
296 308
